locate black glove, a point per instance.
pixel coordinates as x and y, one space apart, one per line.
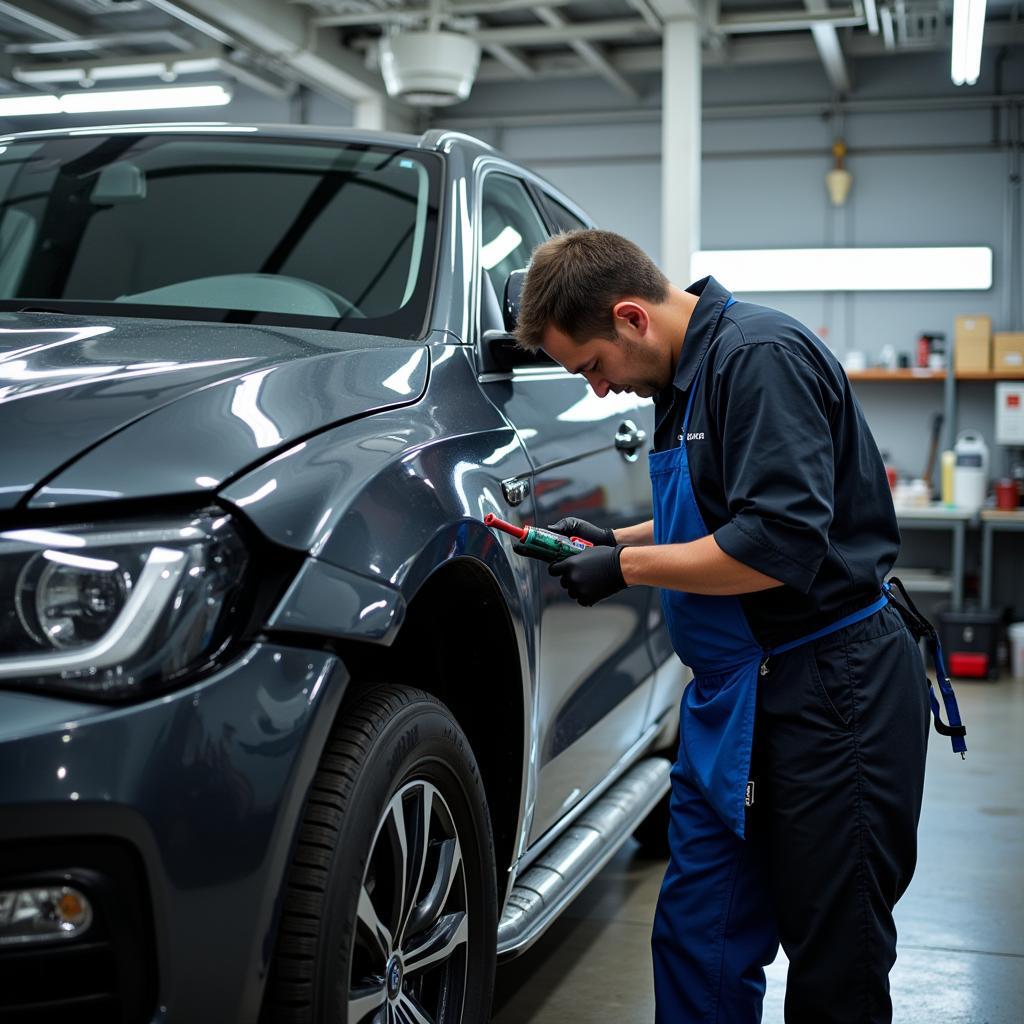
522 549
592 575
573 527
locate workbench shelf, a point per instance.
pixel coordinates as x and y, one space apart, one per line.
990 375
932 375
897 375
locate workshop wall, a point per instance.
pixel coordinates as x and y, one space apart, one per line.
919 178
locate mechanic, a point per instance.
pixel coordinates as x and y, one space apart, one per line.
773 532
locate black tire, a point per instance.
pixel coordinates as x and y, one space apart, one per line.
396 759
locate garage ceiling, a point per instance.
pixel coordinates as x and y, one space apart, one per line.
331 45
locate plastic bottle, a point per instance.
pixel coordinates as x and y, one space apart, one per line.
948 465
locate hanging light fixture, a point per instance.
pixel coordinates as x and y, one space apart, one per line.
839 179
968 29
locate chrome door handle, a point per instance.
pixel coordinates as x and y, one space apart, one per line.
515 490
628 438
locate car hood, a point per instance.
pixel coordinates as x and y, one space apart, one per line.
125 408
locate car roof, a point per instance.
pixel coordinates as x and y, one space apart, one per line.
436 139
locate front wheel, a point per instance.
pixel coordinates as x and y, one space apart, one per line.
390 907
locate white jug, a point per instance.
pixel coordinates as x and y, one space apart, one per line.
970 475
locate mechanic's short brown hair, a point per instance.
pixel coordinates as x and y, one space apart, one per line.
575 279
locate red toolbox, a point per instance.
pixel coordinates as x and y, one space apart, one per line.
969 642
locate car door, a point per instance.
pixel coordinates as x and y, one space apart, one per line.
595 668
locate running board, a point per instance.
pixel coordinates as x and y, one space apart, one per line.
559 875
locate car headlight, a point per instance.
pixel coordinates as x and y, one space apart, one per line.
117 611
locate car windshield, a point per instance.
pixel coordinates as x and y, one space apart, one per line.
245 229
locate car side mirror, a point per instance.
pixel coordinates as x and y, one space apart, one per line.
511 299
500 351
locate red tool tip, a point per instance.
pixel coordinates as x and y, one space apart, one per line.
499 524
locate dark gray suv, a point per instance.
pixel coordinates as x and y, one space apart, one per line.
286 733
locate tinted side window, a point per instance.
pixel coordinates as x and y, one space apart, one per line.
562 218
511 228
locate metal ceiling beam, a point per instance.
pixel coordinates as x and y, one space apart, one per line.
648 13
286 34
744 111
490 6
512 60
669 10
588 51
742 51
87 44
826 39
616 29
788 21
419 12
46 20
183 13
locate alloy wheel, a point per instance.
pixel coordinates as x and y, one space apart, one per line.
409 955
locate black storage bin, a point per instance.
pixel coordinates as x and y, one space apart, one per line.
965 636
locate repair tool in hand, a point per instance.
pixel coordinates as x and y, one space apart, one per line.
538 543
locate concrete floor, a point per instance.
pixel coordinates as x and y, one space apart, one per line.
961 923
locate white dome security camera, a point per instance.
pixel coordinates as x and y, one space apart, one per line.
429 68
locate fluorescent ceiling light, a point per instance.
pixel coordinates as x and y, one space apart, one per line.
19 106
96 72
888 32
174 97
968 29
871 12
936 268
95 100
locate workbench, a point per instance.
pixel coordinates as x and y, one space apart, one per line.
991 521
938 517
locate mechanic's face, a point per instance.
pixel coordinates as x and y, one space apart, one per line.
633 361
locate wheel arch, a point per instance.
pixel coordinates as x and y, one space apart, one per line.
483 687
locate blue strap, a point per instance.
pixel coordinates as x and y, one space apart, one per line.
955 730
833 627
922 628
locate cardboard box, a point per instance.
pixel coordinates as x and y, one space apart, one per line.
1008 351
972 343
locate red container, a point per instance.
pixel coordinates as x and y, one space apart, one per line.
1007 495
924 348
968 665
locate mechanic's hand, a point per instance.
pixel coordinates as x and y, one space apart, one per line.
573 527
592 575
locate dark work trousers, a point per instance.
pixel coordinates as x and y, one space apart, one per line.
839 757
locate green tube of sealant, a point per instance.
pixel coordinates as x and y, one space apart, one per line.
542 544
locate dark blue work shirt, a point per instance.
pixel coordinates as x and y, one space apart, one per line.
787 475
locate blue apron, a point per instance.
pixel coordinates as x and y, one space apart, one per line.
712 636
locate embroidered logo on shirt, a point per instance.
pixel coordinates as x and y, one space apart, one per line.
695 437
